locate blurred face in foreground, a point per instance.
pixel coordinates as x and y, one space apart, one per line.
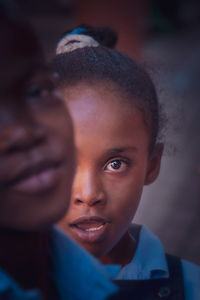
113 165
36 136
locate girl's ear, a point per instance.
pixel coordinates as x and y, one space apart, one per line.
154 162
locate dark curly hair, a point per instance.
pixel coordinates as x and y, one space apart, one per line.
103 63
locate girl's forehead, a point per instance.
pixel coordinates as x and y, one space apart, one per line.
100 111
98 98
19 52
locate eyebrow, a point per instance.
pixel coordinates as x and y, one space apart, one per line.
121 150
33 71
38 68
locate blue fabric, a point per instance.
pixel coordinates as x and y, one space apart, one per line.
75 31
9 289
77 275
149 262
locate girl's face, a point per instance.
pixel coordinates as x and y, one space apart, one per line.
113 165
36 142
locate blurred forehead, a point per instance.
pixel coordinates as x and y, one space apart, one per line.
19 52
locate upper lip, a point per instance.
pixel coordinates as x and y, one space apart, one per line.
88 219
31 170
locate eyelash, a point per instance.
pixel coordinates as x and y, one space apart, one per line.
120 169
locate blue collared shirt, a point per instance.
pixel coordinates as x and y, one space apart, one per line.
77 275
149 262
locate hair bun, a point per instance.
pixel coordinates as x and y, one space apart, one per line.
105 36
86 36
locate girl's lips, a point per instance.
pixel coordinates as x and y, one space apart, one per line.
38 179
38 182
89 230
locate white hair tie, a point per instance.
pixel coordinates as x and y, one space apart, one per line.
73 41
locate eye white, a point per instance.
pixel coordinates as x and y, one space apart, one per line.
115 165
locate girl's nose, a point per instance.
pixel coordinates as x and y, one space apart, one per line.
88 190
20 137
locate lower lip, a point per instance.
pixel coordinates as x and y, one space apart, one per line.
89 236
41 182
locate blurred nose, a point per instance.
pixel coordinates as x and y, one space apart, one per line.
88 189
20 135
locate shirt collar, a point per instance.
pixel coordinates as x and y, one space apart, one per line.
77 273
149 261
10 289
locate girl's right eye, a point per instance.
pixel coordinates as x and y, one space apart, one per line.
42 93
116 165
37 91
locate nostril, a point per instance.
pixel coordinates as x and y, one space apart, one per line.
97 202
78 201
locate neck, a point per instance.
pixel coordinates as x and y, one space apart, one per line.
122 253
23 255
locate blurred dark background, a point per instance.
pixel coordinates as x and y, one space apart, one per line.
165 37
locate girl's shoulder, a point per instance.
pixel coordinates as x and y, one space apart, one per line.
9 289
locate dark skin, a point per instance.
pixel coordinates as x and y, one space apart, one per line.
36 156
127 246
113 164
